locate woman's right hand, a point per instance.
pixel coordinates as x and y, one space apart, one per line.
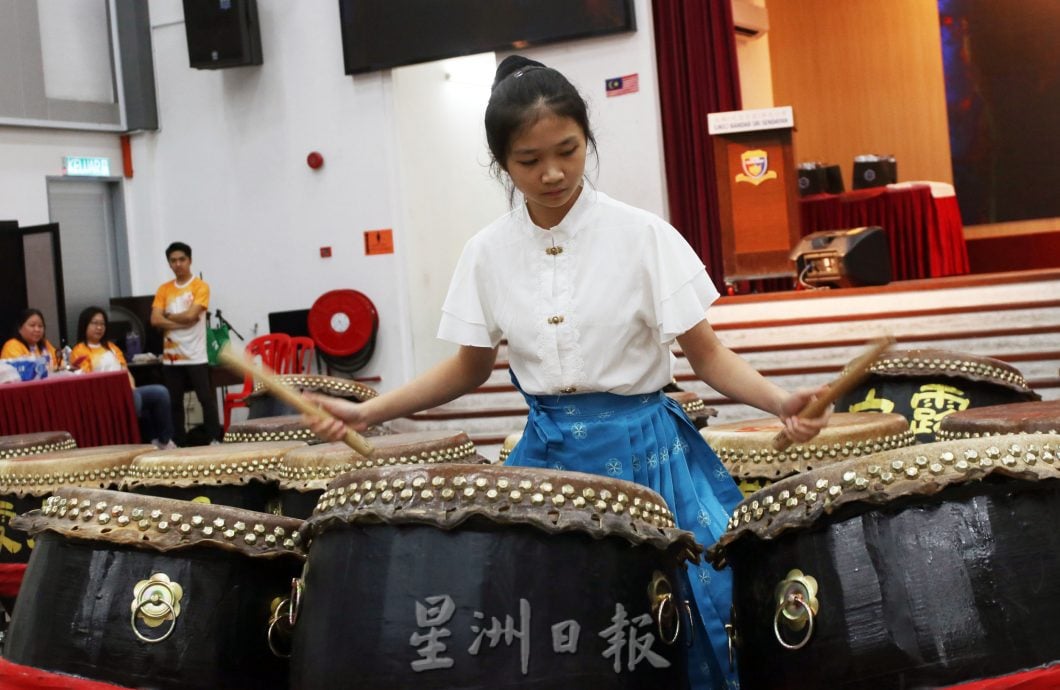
344 413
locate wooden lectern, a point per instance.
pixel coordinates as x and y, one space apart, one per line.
757 192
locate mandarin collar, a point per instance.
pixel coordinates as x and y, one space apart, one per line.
566 228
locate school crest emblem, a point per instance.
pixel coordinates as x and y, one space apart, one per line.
755 164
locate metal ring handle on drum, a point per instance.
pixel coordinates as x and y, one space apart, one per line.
793 598
168 612
691 624
295 602
273 623
664 600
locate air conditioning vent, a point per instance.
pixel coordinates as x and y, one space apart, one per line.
749 20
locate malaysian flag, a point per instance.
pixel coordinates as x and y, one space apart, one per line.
617 86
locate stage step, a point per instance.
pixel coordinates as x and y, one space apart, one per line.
804 339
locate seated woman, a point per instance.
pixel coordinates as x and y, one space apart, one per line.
93 353
29 339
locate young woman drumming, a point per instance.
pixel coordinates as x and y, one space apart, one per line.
589 294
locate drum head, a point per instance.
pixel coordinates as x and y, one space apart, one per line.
265 429
1017 418
101 467
225 464
32 444
746 448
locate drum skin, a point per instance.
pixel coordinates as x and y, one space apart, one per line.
364 584
933 565
78 621
240 475
261 403
31 444
1041 416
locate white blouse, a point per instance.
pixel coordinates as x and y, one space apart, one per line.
590 305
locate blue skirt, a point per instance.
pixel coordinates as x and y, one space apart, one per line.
649 440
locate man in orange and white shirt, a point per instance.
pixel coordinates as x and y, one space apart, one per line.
179 310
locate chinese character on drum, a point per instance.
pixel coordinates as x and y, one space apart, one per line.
629 640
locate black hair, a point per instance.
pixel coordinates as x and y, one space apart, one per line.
25 316
523 91
83 320
178 247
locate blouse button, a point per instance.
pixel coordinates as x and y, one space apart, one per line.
555 319
552 251
568 389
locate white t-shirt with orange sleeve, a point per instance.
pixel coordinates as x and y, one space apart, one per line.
184 345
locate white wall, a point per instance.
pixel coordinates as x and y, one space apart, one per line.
628 128
448 192
226 172
28 156
756 79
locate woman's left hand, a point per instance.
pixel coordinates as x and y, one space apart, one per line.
802 429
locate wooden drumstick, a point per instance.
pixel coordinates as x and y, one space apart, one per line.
855 374
272 382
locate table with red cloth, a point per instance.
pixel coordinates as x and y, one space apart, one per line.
921 220
96 408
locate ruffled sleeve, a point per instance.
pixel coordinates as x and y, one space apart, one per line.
466 317
682 289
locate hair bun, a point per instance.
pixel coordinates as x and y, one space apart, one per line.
512 64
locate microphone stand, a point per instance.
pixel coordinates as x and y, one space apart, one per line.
225 322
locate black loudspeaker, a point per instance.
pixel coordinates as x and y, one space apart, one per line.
833 179
817 178
222 33
874 171
843 258
812 179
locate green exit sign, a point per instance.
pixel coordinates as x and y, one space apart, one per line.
88 166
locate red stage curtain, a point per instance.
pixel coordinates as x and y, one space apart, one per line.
695 49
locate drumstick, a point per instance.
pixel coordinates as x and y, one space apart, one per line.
855 374
272 382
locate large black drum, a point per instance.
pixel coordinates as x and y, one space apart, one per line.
924 386
241 475
459 576
1041 417
26 481
261 403
917 568
149 592
304 473
746 448
32 444
288 427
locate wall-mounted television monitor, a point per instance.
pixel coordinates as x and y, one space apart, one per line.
379 34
